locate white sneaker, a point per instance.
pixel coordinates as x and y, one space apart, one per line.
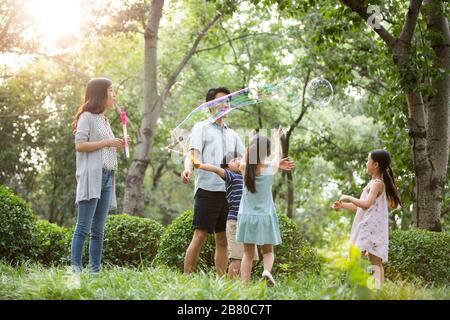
268 276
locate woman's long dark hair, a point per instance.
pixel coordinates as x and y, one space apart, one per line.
94 99
258 150
384 161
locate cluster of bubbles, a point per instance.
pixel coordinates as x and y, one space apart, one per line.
287 93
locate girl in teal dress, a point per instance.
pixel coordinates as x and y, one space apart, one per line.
257 218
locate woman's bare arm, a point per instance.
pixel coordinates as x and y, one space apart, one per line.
89 146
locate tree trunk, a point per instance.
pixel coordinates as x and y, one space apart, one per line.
421 163
288 176
431 177
153 104
136 172
286 144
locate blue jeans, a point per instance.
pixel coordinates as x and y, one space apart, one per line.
91 217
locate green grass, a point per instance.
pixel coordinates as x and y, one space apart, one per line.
31 281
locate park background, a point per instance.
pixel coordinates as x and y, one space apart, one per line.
388 62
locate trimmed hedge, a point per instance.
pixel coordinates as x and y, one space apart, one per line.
175 240
294 255
17 228
419 253
52 243
130 240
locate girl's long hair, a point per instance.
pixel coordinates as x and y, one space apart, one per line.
384 161
94 99
258 150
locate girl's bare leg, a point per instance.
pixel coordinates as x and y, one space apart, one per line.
378 270
268 257
247 262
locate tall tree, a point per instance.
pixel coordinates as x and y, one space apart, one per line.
153 103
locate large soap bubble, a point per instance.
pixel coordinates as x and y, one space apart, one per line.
319 91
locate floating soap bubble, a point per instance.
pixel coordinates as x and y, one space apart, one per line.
286 93
319 91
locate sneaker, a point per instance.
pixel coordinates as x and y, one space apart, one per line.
268 276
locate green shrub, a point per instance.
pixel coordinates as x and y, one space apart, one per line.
130 240
17 228
292 256
419 253
52 243
175 240
295 254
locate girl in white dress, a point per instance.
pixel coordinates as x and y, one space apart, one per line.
370 226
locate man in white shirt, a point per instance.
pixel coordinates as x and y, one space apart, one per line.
209 143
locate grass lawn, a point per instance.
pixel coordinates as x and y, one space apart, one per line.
31 281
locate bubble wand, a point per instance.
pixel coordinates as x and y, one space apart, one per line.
123 116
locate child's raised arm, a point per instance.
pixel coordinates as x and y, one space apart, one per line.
208 167
278 153
242 165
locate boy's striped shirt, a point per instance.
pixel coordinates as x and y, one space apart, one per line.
233 184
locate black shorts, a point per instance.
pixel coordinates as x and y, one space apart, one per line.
210 211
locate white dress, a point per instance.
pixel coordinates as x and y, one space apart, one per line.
371 227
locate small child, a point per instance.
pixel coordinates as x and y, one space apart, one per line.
229 171
370 227
257 218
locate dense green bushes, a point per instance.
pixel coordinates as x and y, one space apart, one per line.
419 253
17 228
52 243
133 241
175 240
130 240
292 256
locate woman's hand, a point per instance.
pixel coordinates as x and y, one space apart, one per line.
124 143
114 143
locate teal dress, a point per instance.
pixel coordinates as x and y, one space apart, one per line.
257 221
